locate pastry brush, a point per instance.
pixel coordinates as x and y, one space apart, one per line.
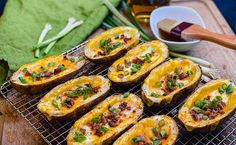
188 31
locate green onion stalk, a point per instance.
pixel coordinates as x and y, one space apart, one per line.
46 29
58 36
71 21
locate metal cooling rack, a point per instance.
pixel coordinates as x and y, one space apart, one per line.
55 132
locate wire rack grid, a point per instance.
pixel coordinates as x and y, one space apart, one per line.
55 132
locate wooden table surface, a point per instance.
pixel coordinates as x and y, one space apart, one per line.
14 130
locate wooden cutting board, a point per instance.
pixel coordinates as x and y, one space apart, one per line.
14 130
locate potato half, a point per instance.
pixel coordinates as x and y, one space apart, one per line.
111 44
138 62
208 107
159 129
74 97
172 79
46 73
107 120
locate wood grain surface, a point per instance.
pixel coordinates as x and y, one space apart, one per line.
14 130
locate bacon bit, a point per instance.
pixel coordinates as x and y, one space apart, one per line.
122 36
112 119
27 73
102 53
69 102
166 92
108 40
126 39
57 71
83 131
123 106
195 115
221 105
95 89
48 74
120 76
65 57
207 98
127 63
143 140
183 76
138 61
120 67
103 119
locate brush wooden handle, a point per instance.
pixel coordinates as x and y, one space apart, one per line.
198 32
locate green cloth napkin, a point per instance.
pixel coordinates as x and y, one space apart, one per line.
23 20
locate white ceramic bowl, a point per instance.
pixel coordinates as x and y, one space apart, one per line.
178 13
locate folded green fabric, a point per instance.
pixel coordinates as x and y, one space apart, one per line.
23 20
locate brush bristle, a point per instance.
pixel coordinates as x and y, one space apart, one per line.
167 25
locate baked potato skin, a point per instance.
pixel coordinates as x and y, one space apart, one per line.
208 127
123 138
43 87
183 92
117 131
40 88
141 77
81 110
112 57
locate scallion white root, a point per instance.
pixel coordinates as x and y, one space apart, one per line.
206 78
212 73
45 31
71 21
58 36
194 59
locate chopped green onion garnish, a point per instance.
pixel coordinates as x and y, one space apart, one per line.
180 85
104 129
205 117
155 130
117 36
79 137
126 95
126 73
190 72
114 110
136 139
55 104
72 59
51 64
62 67
155 95
22 80
229 89
96 119
24 70
158 84
163 133
81 57
219 98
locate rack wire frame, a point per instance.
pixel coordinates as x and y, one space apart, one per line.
55 132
